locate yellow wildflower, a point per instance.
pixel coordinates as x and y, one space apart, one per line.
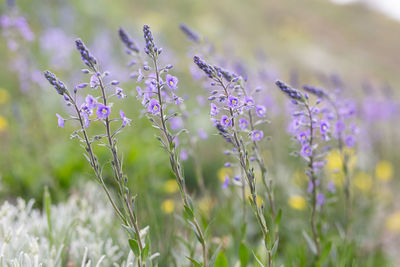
393 222
3 124
297 202
168 206
4 96
171 186
334 161
223 172
384 170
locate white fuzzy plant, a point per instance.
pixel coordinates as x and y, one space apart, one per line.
75 233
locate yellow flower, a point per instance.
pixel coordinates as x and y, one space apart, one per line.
205 205
171 186
334 161
223 172
393 222
168 206
3 124
297 202
384 170
363 181
4 96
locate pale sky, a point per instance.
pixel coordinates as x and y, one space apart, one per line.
389 7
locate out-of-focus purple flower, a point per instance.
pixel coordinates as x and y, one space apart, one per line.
257 135
303 138
153 107
127 41
233 102
200 100
306 151
350 141
226 182
119 92
61 121
340 126
320 199
172 81
91 102
324 127
260 110
176 123
103 111
184 155
225 121
311 185
214 109
331 187
125 120
189 33
248 102
243 123
227 164
202 134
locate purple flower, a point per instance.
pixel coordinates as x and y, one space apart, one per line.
249 102
226 182
176 123
214 110
153 107
350 141
125 120
184 155
257 135
233 102
91 102
227 164
225 121
260 110
172 81
202 134
94 81
331 187
320 199
340 126
302 137
306 151
119 92
61 121
243 123
103 111
324 127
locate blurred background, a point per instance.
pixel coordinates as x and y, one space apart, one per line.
351 43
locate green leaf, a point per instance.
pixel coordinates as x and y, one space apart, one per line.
189 215
258 260
221 260
215 255
243 255
195 263
278 218
130 231
310 242
275 247
134 247
325 252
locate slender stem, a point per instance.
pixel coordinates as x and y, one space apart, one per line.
175 165
313 181
119 175
250 177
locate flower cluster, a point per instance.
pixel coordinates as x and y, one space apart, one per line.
129 43
190 34
100 106
156 97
